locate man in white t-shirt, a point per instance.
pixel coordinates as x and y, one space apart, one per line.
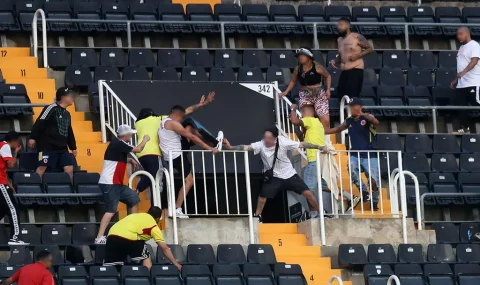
284 175
467 80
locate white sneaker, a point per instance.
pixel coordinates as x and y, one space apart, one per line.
17 241
180 214
220 140
101 240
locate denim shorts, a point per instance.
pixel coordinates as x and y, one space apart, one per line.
115 193
310 177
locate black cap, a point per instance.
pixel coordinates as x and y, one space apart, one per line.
63 91
355 101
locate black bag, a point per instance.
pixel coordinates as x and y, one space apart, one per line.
268 174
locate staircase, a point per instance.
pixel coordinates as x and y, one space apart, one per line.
18 67
291 247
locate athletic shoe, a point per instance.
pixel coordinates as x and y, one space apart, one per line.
180 214
220 140
259 217
314 214
463 131
355 201
101 240
17 241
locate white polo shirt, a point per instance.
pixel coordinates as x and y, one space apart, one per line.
283 167
464 56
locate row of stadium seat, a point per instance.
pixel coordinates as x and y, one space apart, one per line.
57 183
231 12
446 232
221 274
441 162
354 255
59 58
195 254
431 274
424 143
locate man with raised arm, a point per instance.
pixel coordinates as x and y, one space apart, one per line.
352 47
284 175
363 137
177 134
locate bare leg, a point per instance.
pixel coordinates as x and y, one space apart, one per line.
147 263
69 170
132 210
107 217
188 186
325 120
312 202
41 170
260 205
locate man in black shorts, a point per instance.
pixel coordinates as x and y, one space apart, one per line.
113 173
177 134
352 47
284 175
128 236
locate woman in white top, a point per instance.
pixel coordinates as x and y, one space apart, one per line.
284 175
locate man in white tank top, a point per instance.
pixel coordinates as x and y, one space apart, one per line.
177 134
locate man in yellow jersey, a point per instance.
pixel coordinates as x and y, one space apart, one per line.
313 133
127 237
148 123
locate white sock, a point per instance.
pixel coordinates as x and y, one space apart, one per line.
179 208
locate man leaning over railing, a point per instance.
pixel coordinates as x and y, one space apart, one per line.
362 134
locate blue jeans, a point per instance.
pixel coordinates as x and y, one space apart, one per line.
310 178
373 171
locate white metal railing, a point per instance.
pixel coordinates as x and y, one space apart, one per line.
335 277
44 36
113 112
393 277
220 183
157 201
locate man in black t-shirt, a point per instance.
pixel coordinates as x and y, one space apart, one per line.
113 173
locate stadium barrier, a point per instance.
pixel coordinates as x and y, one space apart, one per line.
393 278
226 201
335 277
222 25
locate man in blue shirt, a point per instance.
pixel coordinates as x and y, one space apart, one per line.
362 134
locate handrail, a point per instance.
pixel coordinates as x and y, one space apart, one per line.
335 277
152 180
345 99
393 278
417 194
44 36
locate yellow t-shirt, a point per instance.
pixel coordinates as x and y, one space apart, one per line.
314 133
149 126
140 226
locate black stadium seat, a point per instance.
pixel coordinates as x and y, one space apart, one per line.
230 254
250 74
418 143
19 255
467 273
370 78
381 253
135 73
409 274
368 14
445 183
443 76
448 15
116 11
7 271
78 76
255 58
422 59
72 275
257 13
444 162
106 73
63 11
470 143
145 12
58 58
165 74
377 274
113 57
132 275
87 183
470 162
440 253
415 162
468 253
283 59
395 14
141 58
423 14
173 12
54 250
445 144
282 75
470 183
351 256
89 11
55 235
389 91
84 233
445 232
194 74
258 274
29 183
439 274
165 274
8 19
59 183
228 58
170 58
287 274
200 254
447 59
261 253
285 13
468 230
313 13
202 13
471 16
227 274
389 142
197 274
199 58
25 9
410 253
177 252
30 234
103 275
391 77
334 12
373 60
230 13
395 59
222 74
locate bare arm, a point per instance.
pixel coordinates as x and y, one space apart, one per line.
8 281
365 45
371 119
179 129
293 81
310 145
322 71
141 146
168 254
338 129
469 67
203 102
294 118
237 147
11 162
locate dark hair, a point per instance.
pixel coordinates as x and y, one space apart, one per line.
12 136
43 254
177 108
273 130
155 212
345 19
145 113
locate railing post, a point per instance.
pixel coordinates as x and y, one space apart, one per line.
417 198
393 278
249 198
44 36
403 197
129 34
315 36
335 277
102 110
222 34
320 202
277 98
172 197
393 191
407 38
434 118
345 99
152 180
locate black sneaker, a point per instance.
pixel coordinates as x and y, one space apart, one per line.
260 219
375 207
17 241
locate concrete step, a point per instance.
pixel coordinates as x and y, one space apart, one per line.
82 126
88 137
277 228
297 251
14 62
27 72
284 239
94 151
14 52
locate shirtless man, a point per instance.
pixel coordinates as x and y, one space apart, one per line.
352 47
